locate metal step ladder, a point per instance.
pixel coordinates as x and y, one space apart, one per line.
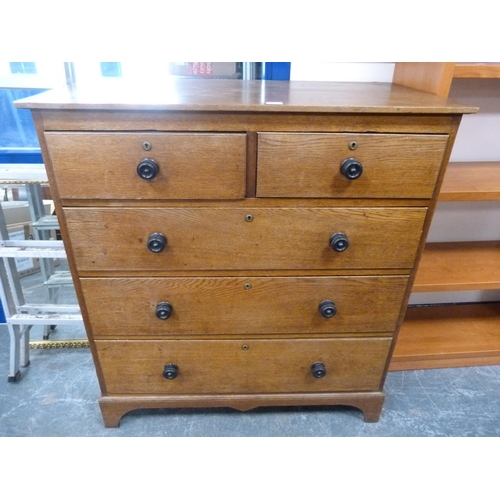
21 316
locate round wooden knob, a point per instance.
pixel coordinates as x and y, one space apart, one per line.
164 310
157 242
327 309
318 370
170 371
147 169
339 242
351 168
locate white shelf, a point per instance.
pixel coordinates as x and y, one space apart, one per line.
32 248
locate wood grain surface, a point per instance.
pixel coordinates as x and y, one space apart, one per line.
233 306
308 165
459 266
471 181
432 77
448 336
226 366
114 407
221 238
191 166
238 95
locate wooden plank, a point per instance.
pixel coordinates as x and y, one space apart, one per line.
264 96
471 181
448 336
459 266
489 359
198 121
477 70
433 77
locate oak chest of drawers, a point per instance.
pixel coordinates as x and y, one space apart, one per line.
240 243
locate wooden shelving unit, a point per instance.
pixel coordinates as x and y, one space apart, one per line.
458 267
476 70
457 334
471 181
449 336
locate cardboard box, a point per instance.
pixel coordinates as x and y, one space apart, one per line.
24 265
18 212
20 193
208 69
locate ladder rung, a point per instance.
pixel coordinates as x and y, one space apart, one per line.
59 278
44 319
48 309
23 173
46 223
32 248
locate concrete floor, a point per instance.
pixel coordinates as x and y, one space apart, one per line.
57 396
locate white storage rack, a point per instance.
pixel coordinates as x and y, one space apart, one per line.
21 316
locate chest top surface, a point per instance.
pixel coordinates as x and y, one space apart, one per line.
246 96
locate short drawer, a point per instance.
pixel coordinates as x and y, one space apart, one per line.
309 165
243 305
114 239
242 366
148 165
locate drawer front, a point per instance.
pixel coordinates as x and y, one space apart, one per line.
189 165
240 366
225 238
244 305
309 165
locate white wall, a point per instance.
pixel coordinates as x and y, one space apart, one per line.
342 72
478 139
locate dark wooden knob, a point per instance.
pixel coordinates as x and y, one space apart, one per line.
351 168
147 169
318 370
164 310
327 309
339 242
170 371
157 242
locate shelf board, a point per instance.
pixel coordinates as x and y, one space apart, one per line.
471 181
448 336
477 70
459 266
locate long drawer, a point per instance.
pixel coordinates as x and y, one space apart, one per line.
115 239
188 165
240 366
260 305
310 165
